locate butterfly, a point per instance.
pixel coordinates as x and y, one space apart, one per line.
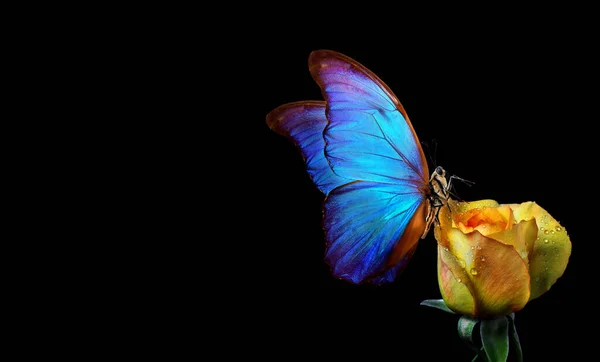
362 152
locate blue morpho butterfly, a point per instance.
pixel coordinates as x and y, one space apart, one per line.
362 152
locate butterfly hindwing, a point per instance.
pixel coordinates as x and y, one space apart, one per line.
363 221
390 275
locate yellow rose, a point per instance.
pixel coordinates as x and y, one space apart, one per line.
493 259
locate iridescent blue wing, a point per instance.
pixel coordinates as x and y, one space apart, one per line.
304 122
372 225
364 222
369 136
390 275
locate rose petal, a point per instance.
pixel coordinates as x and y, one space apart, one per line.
454 287
486 220
445 216
459 207
498 276
551 250
522 236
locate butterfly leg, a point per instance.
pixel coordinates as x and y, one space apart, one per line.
453 177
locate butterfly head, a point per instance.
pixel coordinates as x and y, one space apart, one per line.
440 171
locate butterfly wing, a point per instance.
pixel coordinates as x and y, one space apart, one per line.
391 274
304 122
363 222
372 225
369 136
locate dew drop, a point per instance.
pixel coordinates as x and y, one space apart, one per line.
473 271
546 232
542 228
460 280
478 247
558 228
482 258
546 241
552 231
446 248
462 263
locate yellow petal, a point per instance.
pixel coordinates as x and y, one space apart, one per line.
498 276
452 286
445 216
466 206
486 220
551 250
522 236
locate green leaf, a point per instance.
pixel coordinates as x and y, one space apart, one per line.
466 325
514 338
437 303
494 336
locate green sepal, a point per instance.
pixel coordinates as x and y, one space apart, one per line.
514 338
437 303
494 337
466 325
480 356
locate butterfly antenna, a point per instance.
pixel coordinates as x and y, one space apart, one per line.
452 189
429 154
435 144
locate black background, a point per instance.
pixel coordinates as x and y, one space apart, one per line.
223 247
512 114
509 117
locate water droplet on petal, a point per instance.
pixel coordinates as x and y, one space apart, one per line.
459 280
462 263
478 247
542 228
546 241
546 232
473 271
472 248
558 228
482 258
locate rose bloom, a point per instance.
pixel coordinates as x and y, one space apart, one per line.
493 259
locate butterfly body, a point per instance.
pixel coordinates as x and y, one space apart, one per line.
362 152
